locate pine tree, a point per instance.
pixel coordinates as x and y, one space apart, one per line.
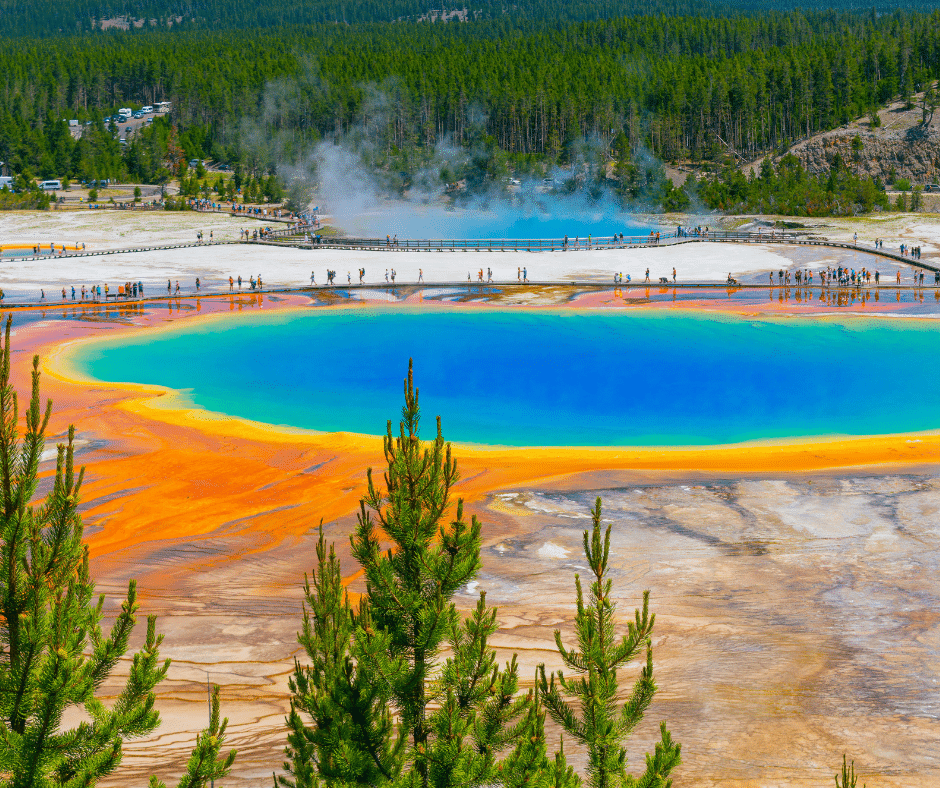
351 740
54 655
452 717
407 615
205 764
849 778
600 727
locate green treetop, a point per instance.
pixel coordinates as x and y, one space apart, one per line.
601 727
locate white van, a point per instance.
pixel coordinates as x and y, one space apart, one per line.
6 182
50 186
148 110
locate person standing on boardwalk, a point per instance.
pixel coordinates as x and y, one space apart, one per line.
525 275
519 274
197 283
420 275
648 275
673 274
169 287
177 287
231 285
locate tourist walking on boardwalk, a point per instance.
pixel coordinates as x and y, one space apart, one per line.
231 285
525 275
393 276
169 287
673 274
313 278
386 276
420 275
177 287
518 274
648 275
197 283
239 281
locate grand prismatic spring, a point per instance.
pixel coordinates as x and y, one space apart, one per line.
550 378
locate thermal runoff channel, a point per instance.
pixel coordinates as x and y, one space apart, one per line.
548 378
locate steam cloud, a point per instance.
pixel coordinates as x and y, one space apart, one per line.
364 200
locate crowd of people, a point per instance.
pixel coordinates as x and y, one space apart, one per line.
99 292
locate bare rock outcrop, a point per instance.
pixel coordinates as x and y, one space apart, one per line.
913 154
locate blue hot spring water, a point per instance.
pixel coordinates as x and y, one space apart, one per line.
548 378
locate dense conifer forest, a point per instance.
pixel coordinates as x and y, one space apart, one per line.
520 92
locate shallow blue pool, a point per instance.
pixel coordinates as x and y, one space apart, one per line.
549 377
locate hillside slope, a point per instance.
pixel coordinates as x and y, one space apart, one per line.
902 147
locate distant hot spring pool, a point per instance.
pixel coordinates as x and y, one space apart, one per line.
548 378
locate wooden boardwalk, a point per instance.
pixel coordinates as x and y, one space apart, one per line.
297 238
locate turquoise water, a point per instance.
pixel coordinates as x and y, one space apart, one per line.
523 378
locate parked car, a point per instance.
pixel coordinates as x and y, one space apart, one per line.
50 186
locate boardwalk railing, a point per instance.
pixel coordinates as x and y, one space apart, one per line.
296 230
541 244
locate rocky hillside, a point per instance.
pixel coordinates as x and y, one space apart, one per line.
902 147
